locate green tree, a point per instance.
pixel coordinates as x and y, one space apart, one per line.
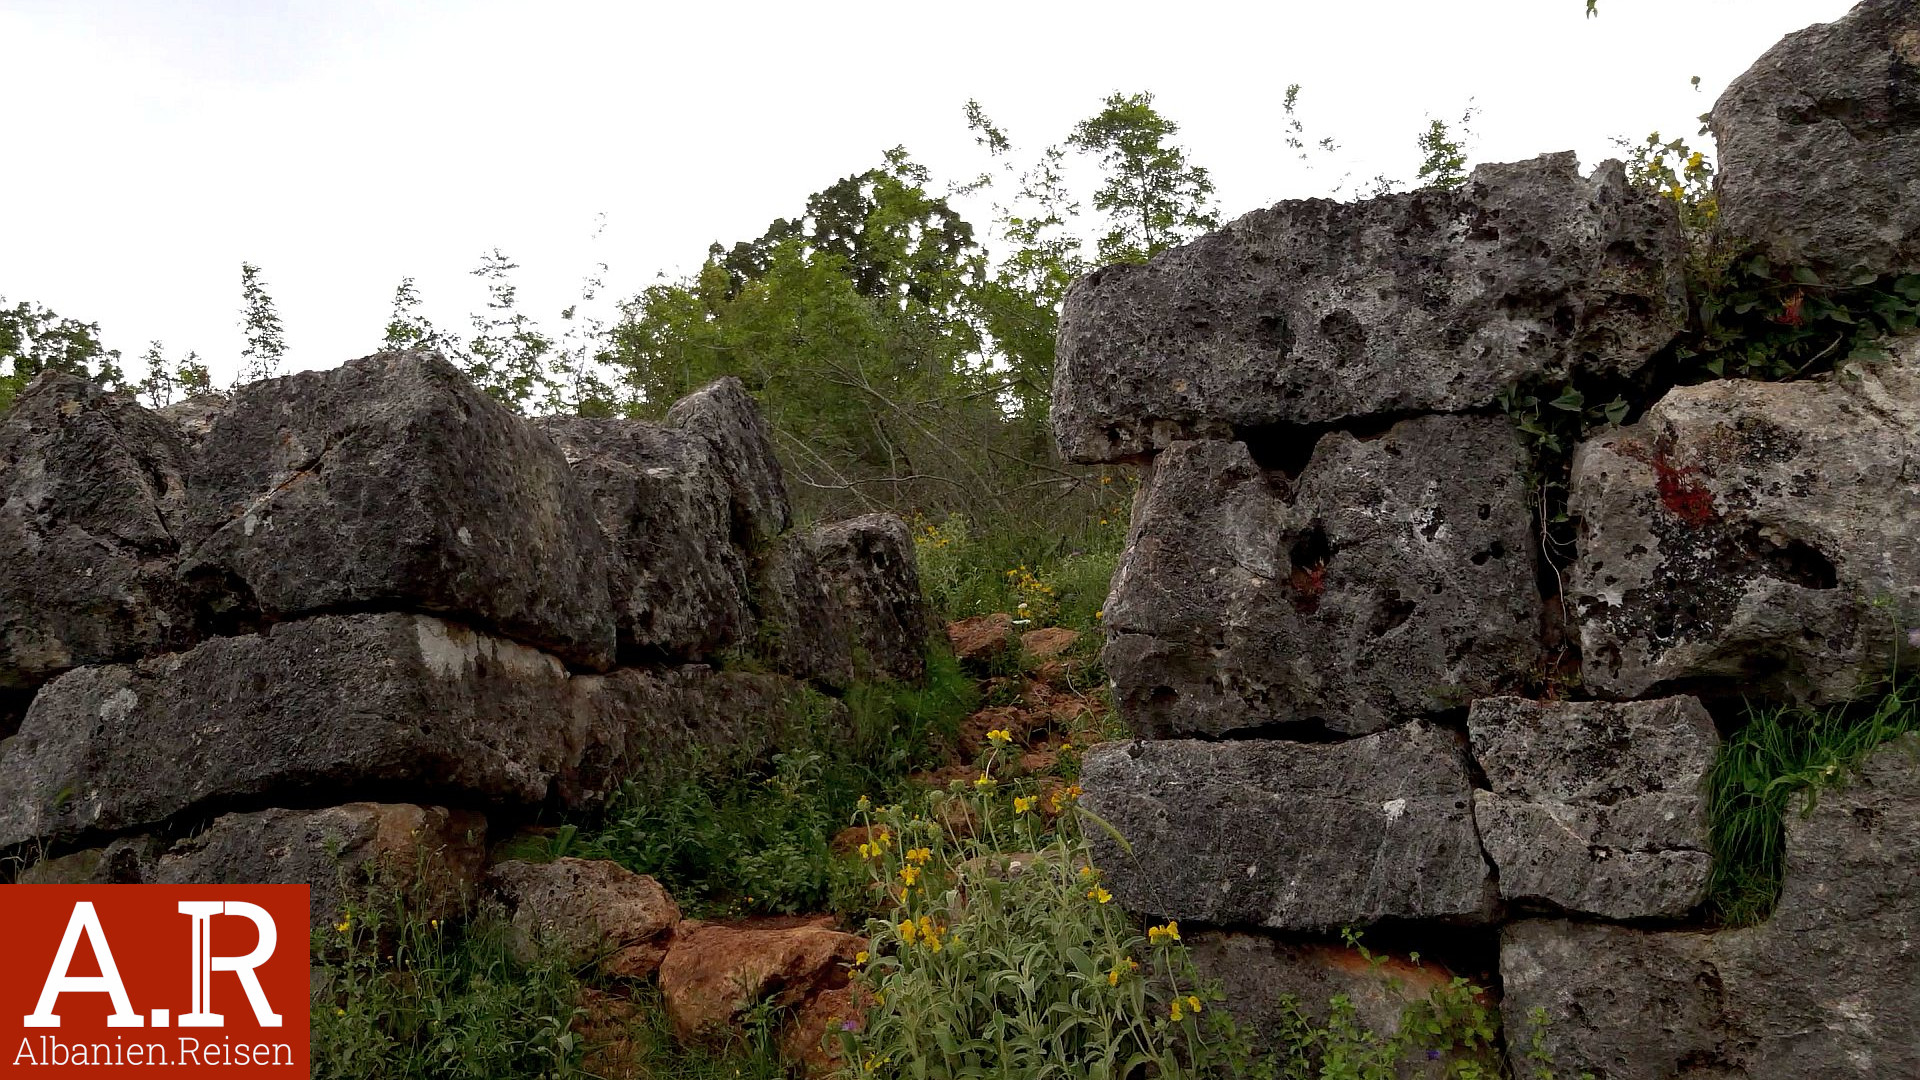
1152 195
260 320
34 339
407 328
507 354
165 381
1443 151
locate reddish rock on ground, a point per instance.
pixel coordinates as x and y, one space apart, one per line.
590 908
1047 643
715 972
982 637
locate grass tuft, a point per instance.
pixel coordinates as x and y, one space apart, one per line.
1780 752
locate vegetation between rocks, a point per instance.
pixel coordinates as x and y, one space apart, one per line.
1778 753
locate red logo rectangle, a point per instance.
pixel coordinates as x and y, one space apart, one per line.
202 980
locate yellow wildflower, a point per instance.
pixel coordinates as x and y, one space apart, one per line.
860 957
344 925
1024 803
1193 1004
1000 735
1169 932
910 874
864 803
983 782
919 855
1175 1009
1100 894
908 931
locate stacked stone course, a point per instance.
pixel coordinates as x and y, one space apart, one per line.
345 622
1335 600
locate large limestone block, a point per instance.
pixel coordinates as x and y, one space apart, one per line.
1820 145
1292 836
1757 535
655 727
870 570
800 626
391 482
326 705
725 415
1394 578
1595 808
665 505
351 855
1828 987
1315 312
91 491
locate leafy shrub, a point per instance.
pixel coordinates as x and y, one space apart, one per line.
760 839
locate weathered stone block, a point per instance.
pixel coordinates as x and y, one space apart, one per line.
1596 808
91 492
653 727
591 910
1393 579
391 481
1820 145
1757 535
869 568
725 415
1315 312
1293 836
800 626
351 855
663 500
1828 987
326 705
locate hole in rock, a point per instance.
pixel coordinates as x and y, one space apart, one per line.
1791 560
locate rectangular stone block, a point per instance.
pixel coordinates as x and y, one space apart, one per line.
1317 312
335 704
1392 578
1596 808
390 482
1292 836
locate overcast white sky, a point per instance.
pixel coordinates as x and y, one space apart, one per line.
344 144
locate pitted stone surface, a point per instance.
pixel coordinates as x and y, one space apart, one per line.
1819 161
725 415
1755 534
329 704
658 727
1829 986
1393 579
391 482
1292 836
665 506
1316 312
868 567
91 492
799 623
1595 808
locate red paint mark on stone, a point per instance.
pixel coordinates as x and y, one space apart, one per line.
1308 584
1681 491
1679 486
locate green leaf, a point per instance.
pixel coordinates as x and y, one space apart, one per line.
1570 400
1805 276
1616 410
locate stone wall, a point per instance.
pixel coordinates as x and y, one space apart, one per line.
1370 689
362 617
